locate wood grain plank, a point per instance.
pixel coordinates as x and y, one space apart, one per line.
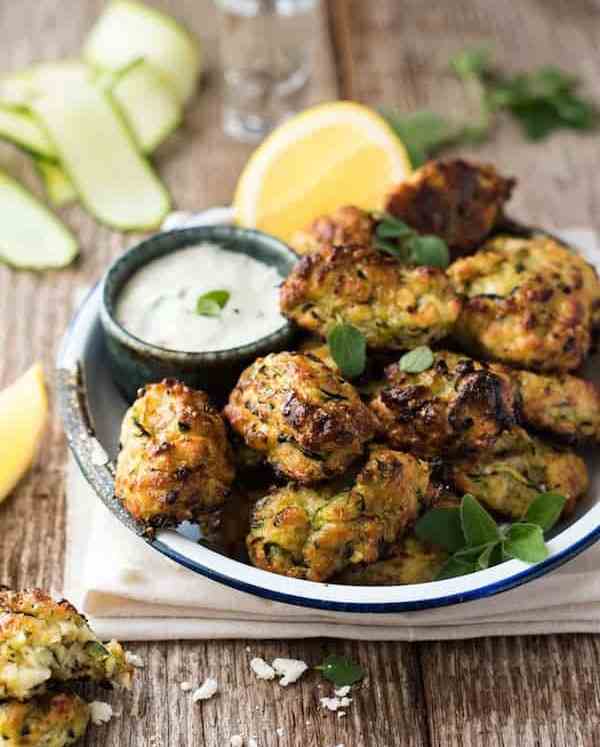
200 166
524 691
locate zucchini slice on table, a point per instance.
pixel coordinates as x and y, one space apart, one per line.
97 150
31 237
148 103
59 187
22 129
128 30
46 78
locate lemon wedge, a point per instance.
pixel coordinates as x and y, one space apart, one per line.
23 415
334 154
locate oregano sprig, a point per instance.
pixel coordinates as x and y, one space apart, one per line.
476 541
397 238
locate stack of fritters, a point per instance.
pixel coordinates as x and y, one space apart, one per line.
355 464
44 647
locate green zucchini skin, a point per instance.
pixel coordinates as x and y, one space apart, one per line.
31 237
99 154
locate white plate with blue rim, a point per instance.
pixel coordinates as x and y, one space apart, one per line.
92 409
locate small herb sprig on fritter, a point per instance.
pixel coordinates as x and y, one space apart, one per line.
397 238
348 348
477 542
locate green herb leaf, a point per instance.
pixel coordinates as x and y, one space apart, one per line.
96 650
441 526
526 542
348 349
417 360
484 559
456 567
341 670
428 250
545 510
471 62
478 526
211 303
390 247
389 227
423 133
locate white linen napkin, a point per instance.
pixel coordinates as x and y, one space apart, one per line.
132 592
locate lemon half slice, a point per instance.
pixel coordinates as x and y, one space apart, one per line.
23 415
334 154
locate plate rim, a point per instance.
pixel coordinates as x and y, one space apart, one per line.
72 405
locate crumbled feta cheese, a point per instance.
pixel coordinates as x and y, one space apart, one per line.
134 660
290 670
247 649
208 688
341 692
100 712
261 669
236 741
186 686
252 742
280 731
334 704
341 714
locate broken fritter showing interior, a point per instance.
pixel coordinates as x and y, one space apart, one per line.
458 201
316 532
308 422
395 307
175 460
51 720
346 225
509 477
44 643
527 302
456 405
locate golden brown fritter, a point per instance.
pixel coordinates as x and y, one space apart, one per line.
527 302
562 405
308 422
458 201
457 405
395 307
346 225
175 460
520 467
43 642
313 533
409 561
46 721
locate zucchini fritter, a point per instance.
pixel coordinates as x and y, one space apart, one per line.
46 721
313 533
457 405
43 642
528 302
176 461
563 405
460 202
520 467
396 307
346 225
309 422
410 561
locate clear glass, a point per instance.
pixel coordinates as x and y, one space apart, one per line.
266 51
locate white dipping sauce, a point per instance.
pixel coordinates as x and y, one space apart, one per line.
158 302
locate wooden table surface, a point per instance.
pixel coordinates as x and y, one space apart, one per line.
503 691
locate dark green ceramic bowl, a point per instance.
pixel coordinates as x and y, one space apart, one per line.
135 362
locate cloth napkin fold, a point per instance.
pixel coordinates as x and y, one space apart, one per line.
132 592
